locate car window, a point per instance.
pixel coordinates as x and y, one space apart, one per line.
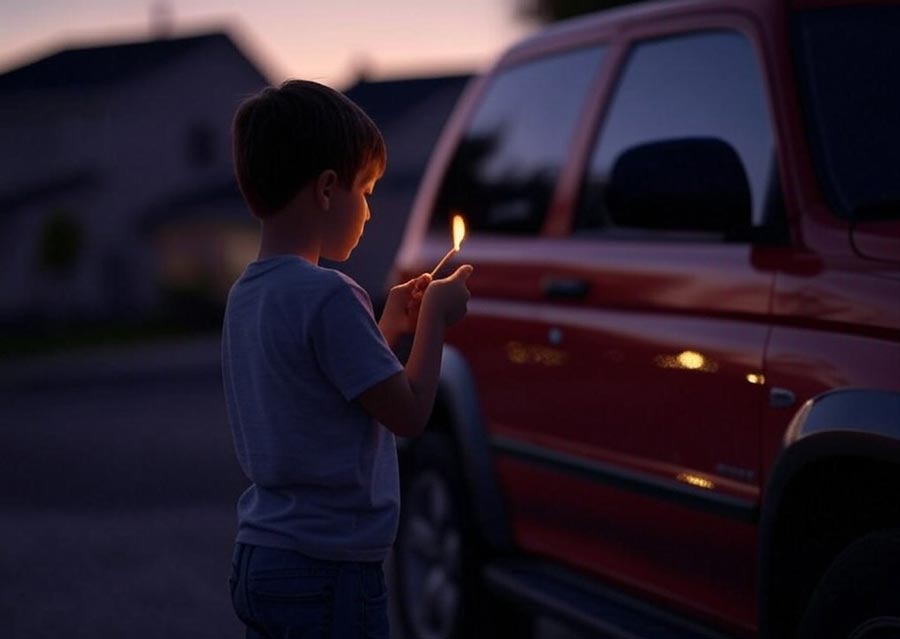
504 171
848 61
680 100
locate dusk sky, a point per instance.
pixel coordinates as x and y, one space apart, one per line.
327 40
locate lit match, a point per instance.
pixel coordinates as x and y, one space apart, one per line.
459 233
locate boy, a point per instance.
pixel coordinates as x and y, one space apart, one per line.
313 390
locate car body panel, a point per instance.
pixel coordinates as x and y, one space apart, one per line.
633 391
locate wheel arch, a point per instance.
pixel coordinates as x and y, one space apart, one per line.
835 479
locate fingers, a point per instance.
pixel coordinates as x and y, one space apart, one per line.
406 286
415 286
418 285
422 282
462 273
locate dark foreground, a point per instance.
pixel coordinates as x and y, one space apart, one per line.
118 485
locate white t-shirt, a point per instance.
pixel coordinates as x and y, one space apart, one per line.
299 344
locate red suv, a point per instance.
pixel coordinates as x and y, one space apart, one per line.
673 409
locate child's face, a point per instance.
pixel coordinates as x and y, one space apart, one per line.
348 216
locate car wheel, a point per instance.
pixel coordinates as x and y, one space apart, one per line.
859 595
433 554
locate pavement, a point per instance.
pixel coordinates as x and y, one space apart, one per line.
118 485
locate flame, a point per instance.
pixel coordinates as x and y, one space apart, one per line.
459 231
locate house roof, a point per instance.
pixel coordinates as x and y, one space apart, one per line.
386 100
104 65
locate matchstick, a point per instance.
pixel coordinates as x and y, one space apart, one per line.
440 265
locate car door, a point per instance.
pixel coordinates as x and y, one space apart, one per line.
502 179
647 470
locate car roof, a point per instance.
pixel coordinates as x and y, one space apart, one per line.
610 21
618 18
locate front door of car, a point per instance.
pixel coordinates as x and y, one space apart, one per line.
648 474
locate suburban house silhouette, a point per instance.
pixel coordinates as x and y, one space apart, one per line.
117 198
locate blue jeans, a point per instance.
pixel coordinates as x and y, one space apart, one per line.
285 595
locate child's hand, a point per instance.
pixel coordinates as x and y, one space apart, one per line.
401 309
448 297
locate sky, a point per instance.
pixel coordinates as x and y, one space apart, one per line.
330 41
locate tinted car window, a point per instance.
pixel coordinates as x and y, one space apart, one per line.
704 89
503 173
848 60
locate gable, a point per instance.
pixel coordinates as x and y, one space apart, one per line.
92 67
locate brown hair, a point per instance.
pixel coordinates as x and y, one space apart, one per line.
284 138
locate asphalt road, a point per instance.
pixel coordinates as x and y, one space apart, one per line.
117 491
118 506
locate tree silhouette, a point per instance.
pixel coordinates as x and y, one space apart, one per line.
553 10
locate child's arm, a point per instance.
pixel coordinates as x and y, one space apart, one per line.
403 402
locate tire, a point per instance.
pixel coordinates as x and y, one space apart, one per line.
858 597
438 555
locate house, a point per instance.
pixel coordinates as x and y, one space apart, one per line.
117 197
91 139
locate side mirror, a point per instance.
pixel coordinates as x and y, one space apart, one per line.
685 184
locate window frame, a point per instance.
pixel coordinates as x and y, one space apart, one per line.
622 44
517 59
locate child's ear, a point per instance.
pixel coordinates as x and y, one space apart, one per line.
325 185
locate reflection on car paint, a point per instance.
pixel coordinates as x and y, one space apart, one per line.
519 353
687 360
695 480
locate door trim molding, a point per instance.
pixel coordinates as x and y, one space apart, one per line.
658 488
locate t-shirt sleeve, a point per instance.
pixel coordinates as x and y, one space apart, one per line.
349 347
